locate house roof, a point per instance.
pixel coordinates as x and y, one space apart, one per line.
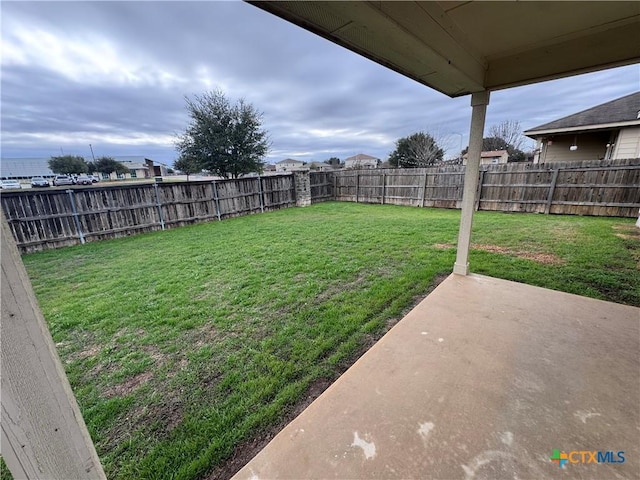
134 165
290 160
619 111
462 47
130 158
360 157
25 167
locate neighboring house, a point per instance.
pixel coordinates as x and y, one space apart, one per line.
269 168
605 132
289 165
362 160
492 157
139 167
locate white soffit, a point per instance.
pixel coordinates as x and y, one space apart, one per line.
462 47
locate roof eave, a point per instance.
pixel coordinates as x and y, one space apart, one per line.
581 128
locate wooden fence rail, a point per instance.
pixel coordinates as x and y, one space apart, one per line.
43 219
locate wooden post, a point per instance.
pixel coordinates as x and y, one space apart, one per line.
155 187
216 198
76 218
424 189
384 185
335 186
43 433
482 172
552 189
357 185
260 194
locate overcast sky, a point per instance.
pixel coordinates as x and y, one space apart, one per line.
114 75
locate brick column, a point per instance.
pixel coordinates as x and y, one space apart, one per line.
302 185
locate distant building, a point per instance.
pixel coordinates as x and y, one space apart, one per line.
608 131
288 165
23 168
491 157
17 168
321 167
270 167
362 160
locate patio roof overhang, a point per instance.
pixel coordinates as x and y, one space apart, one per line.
459 48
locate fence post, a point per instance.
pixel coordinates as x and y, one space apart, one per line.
384 185
260 194
357 185
155 187
76 217
216 198
424 189
479 194
335 186
552 189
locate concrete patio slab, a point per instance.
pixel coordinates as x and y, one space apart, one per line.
484 379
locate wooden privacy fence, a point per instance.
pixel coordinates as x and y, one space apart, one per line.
588 188
43 219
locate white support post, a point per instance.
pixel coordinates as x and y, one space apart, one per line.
479 102
43 433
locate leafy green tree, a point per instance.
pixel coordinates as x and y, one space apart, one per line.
109 165
91 167
68 164
187 165
226 140
417 150
333 161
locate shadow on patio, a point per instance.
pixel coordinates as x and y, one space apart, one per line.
485 378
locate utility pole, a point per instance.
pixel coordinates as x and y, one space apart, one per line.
92 155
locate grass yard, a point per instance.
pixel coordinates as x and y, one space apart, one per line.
183 345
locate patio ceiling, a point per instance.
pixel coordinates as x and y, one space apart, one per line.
459 48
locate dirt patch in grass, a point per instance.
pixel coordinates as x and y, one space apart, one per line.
539 257
626 231
156 355
631 236
334 290
128 386
86 353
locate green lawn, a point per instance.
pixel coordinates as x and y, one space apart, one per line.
181 345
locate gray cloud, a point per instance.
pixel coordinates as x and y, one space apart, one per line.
114 74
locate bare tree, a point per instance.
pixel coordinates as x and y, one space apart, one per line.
510 132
